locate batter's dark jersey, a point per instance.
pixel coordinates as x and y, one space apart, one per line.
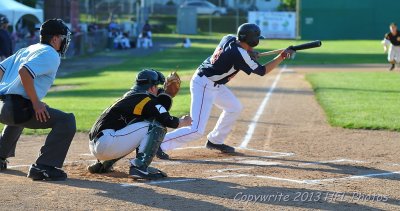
394 39
226 61
133 108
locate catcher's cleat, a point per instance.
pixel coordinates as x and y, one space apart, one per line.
95 168
153 170
48 173
161 154
221 147
392 67
100 168
144 173
3 164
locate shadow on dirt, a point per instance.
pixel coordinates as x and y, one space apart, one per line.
234 195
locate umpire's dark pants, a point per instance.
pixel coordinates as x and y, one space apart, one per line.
54 150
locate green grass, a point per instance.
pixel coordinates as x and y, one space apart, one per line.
94 90
359 100
331 51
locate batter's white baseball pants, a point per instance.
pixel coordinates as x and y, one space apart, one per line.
115 144
205 94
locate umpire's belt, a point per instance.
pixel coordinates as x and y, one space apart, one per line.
99 135
9 97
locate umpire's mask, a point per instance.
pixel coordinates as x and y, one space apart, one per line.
57 27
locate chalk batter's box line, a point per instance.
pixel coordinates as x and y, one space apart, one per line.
278 154
307 182
344 160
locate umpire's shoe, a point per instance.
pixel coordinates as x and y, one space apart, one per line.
3 164
221 147
161 154
48 173
145 173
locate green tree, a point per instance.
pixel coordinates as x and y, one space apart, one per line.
287 5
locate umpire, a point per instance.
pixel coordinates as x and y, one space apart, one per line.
26 77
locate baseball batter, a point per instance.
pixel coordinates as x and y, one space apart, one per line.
392 41
208 88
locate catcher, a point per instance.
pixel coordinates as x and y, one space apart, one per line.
137 120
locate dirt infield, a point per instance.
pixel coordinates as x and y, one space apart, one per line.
288 158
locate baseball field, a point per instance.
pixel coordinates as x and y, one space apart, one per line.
319 132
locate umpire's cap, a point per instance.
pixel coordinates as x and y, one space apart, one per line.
148 78
249 33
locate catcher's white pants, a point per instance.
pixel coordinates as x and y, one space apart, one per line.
394 54
205 94
115 144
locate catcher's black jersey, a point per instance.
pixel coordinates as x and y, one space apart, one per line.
226 61
133 108
394 39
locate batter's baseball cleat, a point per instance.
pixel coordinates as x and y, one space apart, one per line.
48 173
161 154
221 147
3 164
144 173
392 67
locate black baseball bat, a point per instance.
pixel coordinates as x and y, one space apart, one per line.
313 44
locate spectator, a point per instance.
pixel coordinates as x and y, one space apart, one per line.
113 25
125 43
186 43
32 38
5 39
147 35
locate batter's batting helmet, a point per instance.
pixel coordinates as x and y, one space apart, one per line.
148 78
249 33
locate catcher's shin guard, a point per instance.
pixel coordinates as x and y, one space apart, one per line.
155 135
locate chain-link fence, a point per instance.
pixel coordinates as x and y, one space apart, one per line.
87 43
81 43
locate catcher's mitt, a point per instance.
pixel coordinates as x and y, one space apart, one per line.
172 84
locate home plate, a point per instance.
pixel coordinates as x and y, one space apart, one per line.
259 162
